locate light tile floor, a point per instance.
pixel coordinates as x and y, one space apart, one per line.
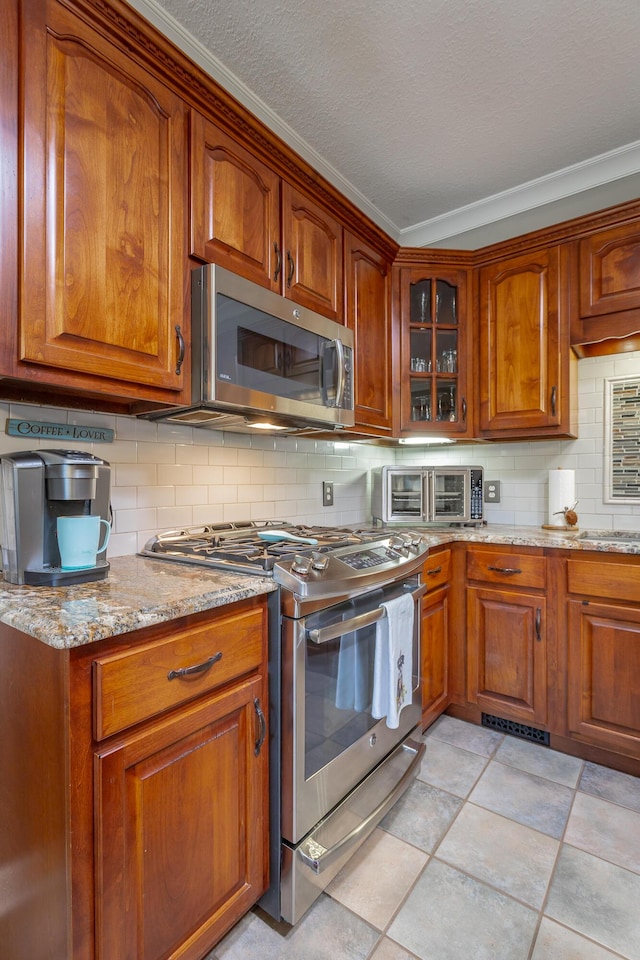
501 850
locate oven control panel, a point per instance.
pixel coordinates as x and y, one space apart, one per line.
364 559
352 569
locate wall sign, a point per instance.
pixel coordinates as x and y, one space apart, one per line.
38 430
622 440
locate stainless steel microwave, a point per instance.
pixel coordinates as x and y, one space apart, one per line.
260 360
418 495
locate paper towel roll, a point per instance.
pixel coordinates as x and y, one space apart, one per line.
562 493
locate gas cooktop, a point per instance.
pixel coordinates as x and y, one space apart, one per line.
252 546
298 550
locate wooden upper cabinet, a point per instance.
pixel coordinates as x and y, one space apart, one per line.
245 218
235 206
367 308
435 375
606 278
526 367
312 254
610 271
104 211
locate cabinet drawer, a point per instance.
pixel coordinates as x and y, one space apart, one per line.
516 569
437 569
139 683
606 578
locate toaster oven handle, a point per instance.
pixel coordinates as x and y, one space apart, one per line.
319 858
335 630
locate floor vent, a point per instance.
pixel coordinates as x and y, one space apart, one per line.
515 729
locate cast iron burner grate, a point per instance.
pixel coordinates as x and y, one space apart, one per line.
516 729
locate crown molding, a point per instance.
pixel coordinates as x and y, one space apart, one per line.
570 181
578 178
196 51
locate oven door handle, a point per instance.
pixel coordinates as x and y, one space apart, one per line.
335 630
320 858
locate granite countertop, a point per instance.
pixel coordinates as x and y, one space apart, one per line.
529 537
139 592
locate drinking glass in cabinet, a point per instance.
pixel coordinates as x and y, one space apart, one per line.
446 308
421 407
421 302
420 358
448 361
447 403
420 365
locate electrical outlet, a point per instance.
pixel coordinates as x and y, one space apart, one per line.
492 491
327 494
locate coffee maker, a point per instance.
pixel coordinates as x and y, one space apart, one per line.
38 487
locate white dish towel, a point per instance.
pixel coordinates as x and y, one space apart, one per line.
393 660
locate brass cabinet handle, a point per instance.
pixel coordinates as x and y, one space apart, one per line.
464 410
181 349
276 272
263 726
197 668
432 573
538 623
554 397
292 267
509 571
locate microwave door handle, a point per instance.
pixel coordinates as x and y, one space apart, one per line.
341 360
338 397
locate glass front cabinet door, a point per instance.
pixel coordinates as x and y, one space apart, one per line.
435 382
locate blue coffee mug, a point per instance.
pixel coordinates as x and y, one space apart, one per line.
78 539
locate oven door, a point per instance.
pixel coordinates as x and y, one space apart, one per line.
405 496
342 769
330 740
450 495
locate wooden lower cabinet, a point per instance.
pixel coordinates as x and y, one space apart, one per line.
434 660
180 823
138 828
507 632
600 612
506 654
603 673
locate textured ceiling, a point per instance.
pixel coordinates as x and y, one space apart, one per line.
424 107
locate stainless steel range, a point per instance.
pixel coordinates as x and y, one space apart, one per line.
344 682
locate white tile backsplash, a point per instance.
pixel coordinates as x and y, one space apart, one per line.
523 466
166 475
